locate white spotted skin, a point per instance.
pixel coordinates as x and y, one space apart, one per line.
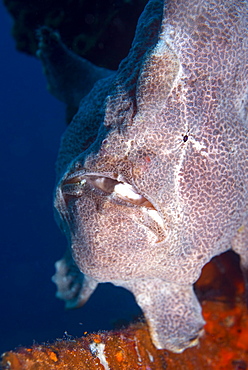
173 125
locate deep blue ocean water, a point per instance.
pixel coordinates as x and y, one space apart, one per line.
32 122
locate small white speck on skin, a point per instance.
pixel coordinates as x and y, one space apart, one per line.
144 298
97 349
129 145
196 144
82 182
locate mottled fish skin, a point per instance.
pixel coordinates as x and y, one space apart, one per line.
163 186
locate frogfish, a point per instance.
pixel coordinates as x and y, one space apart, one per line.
152 171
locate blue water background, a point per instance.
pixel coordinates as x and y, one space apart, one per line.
32 122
